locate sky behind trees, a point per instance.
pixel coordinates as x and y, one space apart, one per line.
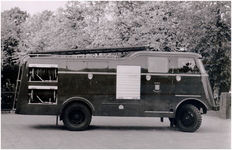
32 7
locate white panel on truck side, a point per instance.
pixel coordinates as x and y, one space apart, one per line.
128 82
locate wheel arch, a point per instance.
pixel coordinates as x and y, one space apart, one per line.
196 102
73 100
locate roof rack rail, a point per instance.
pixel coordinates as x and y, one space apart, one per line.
90 51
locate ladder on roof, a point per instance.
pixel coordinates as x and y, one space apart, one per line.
90 51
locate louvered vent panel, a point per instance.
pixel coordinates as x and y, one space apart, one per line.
128 82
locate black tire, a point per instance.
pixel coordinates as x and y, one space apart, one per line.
188 118
77 117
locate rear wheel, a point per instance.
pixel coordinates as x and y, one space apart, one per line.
77 117
188 118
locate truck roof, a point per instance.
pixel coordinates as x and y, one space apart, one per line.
139 50
159 53
111 57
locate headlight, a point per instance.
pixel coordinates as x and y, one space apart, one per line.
178 78
148 77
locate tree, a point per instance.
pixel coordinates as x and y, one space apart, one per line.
140 23
207 30
10 33
217 50
32 36
64 29
202 27
11 22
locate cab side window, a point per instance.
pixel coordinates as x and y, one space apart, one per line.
187 65
158 64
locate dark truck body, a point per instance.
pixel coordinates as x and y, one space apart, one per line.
146 84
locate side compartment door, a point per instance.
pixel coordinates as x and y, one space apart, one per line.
127 94
158 85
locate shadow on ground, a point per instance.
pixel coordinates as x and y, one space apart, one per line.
94 127
98 127
48 127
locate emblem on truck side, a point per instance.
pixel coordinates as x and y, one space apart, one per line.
120 107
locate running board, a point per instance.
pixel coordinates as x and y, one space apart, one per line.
159 114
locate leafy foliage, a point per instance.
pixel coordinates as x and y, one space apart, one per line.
10 33
196 26
11 22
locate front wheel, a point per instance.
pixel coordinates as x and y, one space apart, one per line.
188 118
77 117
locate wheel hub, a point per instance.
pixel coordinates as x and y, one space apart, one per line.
187 118
76 117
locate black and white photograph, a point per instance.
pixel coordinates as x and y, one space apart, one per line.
115 74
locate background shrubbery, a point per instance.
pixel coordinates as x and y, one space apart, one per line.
198 26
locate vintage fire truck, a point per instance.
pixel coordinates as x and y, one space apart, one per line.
78 84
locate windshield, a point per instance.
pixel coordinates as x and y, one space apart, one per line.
202 68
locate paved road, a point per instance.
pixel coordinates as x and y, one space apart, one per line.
30 132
